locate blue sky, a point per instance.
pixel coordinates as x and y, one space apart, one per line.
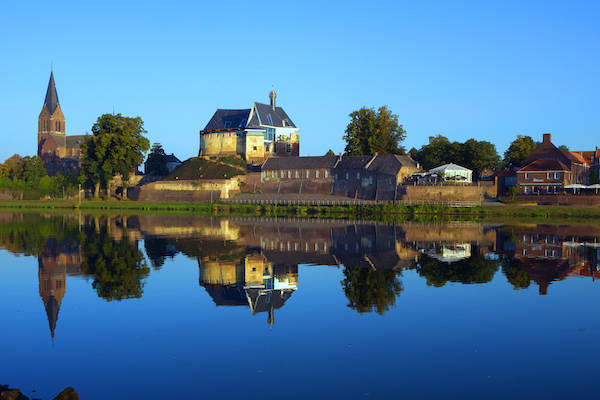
483 69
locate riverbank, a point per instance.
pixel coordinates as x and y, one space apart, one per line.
372 211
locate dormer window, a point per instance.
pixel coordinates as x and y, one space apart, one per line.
270 119
286 122
227 124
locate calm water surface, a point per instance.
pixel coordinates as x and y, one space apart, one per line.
144 307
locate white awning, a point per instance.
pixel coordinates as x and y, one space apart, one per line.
577 186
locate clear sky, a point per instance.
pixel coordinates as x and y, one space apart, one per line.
483 69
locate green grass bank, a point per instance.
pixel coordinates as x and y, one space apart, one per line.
372 212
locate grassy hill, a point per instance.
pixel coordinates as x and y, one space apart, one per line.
199 168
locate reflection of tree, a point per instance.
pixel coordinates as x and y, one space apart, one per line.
475 269
158 249
516 275
118 267
370 290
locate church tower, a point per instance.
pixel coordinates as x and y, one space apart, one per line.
52 280
51 124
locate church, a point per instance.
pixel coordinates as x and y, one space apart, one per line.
59 152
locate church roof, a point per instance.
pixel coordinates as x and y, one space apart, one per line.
272 117
51 101
52 308
75 140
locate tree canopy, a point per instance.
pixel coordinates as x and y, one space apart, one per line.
157 161
519 150
373 131
472 154
117 146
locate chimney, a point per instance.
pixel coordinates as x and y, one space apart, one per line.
547 138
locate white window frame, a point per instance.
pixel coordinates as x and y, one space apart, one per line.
317 174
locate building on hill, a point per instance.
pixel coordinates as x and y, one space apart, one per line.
255 133
548 169
59 152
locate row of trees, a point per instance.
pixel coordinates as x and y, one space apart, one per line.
372 131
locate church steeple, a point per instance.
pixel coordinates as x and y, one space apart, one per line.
51 101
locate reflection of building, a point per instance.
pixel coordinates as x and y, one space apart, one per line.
56 262
252 282
551 253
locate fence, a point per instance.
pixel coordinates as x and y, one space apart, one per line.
350 202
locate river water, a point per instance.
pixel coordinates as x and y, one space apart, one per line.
144 307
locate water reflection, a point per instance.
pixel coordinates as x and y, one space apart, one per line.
254 263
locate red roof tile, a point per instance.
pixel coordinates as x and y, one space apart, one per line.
545 165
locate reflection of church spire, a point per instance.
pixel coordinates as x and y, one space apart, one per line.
52 306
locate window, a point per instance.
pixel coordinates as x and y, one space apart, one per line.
318 174
288 148
527 175
273 174
326 173
289 173
549 175
270 119
308 173
557 175
282 174
358 175
254 148
347 176
265 174
526 189
524 252
227 124
370 180
297 174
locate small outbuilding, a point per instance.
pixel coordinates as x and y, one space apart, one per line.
453 172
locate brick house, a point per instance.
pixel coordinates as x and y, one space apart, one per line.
548 169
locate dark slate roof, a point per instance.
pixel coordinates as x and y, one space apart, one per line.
390 164
278 116
354 162
236 119
548 151
75 141
263 302
172 159
276 163
51 101
227 295
52 308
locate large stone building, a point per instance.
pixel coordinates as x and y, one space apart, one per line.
253 133
60 153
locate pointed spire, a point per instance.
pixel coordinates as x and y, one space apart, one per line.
51 101
52 308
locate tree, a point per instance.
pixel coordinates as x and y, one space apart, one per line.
373 131
518 151
157 161
439 151
33 170
479 155
475 269
330 153
116 146
370 290
594 178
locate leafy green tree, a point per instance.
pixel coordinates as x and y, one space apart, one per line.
117 146
439 151
479 155
594 179
518 151
157 161
117 266
373 131
330 153
371 290
33 170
